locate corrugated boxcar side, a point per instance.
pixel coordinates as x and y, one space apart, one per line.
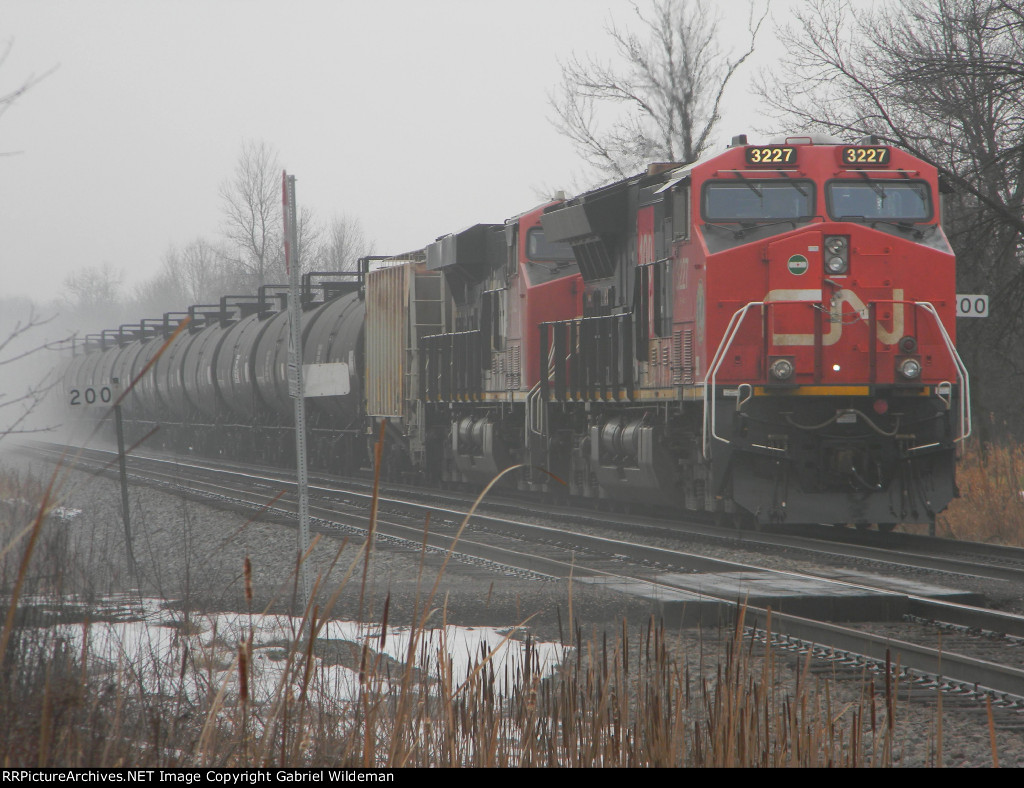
387 332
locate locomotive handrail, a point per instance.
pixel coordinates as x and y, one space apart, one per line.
961 371
716 362
710 412
587 357
536 413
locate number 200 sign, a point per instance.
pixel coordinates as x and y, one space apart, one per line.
101 395
971 305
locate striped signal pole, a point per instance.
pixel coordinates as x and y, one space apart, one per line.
295 384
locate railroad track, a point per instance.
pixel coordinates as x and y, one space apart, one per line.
895 551
663 575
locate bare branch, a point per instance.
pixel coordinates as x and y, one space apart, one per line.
251 201
8 99
661 100
943 79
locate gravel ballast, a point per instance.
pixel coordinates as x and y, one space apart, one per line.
192 553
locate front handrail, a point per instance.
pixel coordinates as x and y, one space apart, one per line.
961 371
536 413
732 329
716 362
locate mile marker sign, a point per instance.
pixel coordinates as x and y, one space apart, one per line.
968 305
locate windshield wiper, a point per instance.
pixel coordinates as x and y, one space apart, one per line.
720 227
749 224
905 227
736 234
875 187
794 184
749 185
754 224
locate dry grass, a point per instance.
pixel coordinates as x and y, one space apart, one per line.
991 503
637 698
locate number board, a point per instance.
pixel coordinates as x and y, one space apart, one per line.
971 305
91 395
769 155
864 155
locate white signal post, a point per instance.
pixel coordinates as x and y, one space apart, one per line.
103 396
295 385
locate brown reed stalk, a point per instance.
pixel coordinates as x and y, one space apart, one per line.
992 732
37 525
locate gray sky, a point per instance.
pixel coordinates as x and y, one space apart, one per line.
419 118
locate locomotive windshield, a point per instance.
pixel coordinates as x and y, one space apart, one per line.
886 200
750 200
547 260
540 249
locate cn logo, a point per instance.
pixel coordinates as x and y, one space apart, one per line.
837 317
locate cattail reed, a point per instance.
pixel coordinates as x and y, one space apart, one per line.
243 673
248 582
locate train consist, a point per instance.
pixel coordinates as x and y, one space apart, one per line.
766 334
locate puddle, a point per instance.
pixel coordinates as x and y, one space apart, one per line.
146 644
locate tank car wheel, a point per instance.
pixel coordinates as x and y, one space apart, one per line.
886 528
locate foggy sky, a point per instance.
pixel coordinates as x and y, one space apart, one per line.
419 118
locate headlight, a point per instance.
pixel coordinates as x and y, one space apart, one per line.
836 265
835 244
910 368
782 369
837 254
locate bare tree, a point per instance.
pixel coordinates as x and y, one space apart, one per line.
24 385
252 214
26 374
664 94
345 243
8 98
311 241
197 273
945 80
161 293
93 298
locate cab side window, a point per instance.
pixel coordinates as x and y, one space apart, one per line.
681 213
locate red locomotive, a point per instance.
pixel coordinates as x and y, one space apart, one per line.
766 334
